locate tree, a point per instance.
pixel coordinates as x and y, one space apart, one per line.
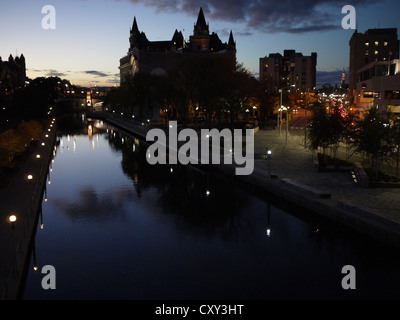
395 142
373 138
33 101
319 129
337 128
236 92
15 141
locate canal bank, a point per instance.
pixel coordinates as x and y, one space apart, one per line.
290 175
22 197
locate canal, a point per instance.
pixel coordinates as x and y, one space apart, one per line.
115 227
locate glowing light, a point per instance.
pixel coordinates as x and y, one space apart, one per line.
12 218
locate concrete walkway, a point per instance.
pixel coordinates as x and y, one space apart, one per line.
23 198
296 178
293 161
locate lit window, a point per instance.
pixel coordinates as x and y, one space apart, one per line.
366 52
377 43
366 43
376 52
385 43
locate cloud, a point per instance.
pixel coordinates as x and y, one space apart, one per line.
48 72
55 73
274 16
97 73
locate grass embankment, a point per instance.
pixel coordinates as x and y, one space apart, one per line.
15 144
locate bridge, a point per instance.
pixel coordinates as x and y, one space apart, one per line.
84 100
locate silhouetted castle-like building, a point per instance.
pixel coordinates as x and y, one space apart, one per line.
158 57
12 72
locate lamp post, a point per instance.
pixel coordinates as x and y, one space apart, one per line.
281 104
12 218
268 232
279 114
281 109
305 120
269 153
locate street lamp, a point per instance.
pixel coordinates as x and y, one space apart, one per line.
269 153
281 101
269 220
12 218
305 120
281 109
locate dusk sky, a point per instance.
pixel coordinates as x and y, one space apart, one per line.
90 36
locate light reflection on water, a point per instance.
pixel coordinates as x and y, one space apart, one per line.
118 228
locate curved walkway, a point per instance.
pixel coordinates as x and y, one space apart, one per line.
22 198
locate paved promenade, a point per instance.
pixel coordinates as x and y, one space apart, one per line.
293 161
376 211
22 197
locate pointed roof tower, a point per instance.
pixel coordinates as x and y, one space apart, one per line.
137 38
135 30
201 27
231 41
177 39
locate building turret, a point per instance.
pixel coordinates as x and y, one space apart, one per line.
201 27
178 40
136 39
231 42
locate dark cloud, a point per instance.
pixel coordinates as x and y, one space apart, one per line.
291 16
52 73
96 73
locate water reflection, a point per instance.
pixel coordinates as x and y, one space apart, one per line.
197 196
92 206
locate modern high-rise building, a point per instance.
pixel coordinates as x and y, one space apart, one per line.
378 86
158 57
292 71
370 46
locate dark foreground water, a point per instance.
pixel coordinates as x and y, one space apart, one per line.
115 227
